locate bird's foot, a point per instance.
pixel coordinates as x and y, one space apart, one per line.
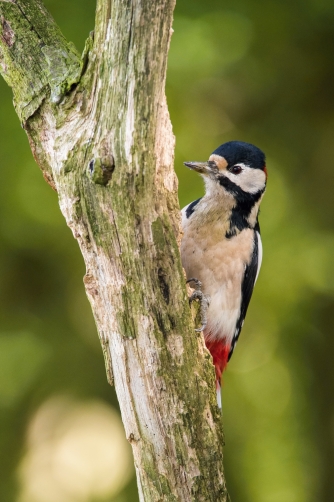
204 302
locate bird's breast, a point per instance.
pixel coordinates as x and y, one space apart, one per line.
205 250
219 263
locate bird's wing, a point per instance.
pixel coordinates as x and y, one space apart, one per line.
250 276
188 210
260 251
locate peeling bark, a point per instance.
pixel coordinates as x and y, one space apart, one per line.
100 131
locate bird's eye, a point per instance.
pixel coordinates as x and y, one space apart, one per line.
235 169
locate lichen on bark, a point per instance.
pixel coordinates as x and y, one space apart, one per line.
100 131
36 59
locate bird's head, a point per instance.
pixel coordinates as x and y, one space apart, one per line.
236 166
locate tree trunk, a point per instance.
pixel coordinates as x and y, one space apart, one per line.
100 131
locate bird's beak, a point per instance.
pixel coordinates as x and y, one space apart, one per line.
200 167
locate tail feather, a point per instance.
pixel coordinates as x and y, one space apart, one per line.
219 396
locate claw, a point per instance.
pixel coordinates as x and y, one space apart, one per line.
204 302
198 283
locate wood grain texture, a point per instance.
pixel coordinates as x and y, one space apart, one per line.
100 131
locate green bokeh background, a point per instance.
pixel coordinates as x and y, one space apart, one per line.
255 70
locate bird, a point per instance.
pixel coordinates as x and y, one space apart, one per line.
221 248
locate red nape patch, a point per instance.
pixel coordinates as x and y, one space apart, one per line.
265 170
219 352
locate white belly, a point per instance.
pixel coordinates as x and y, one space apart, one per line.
219 263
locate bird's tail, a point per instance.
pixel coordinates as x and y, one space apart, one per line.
220 352
219 395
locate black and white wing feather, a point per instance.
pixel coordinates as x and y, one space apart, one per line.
250 277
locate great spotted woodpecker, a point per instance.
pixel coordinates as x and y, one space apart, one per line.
221 247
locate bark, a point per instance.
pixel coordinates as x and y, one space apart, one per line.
99 129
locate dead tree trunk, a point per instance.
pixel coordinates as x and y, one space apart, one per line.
100 131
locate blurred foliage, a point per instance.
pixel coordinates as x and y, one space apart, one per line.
258 71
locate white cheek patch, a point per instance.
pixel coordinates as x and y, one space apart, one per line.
249 180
